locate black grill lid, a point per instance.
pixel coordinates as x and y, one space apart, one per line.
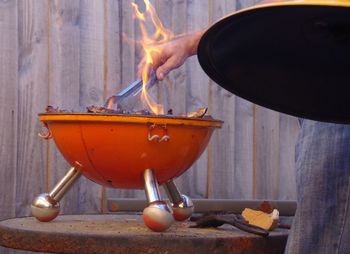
291 58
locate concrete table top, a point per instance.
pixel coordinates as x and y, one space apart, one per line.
126 233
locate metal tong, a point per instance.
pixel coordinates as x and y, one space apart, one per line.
126 98
215 221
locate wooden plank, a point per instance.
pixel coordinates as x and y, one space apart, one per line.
68 79
289 130
128 50
241 4
194 181
266 153
223 145
33 98
112 48
92 64
244 152
221 8
8 109
275 136
8 106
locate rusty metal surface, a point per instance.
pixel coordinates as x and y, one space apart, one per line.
125 233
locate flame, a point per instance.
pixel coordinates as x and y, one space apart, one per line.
148 44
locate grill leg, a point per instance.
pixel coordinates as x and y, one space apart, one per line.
181 204
157 216
46 206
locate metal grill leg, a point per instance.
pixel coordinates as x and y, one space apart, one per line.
157 216
182 205
46 207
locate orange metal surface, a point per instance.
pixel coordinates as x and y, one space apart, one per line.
114 150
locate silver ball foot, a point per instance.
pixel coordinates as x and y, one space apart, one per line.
183 210
181 204
45 208
158 217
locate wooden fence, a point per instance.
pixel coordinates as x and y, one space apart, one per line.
72 53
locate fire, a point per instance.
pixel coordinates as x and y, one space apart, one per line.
148 42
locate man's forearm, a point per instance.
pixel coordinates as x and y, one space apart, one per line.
195 41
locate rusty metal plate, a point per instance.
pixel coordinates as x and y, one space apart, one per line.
125 233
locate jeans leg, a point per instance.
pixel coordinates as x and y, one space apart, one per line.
322 223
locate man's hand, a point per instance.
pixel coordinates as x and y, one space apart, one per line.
172 54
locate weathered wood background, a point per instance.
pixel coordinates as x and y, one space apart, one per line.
71 54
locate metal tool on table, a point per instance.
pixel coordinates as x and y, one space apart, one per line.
128 97
216 220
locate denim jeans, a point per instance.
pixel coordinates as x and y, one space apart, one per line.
322 220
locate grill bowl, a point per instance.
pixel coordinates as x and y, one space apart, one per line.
114 150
